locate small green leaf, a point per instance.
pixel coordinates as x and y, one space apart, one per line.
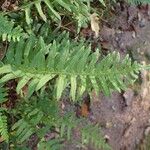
95 85
114 82
7 77
63 4
38 60
73 87
83 85
10 52
29 45
32 86
21 128
39 9
19 52
62 130
17 124
27 15
22 83
104 86
60 86
5 69
102 2
27 135
43 81
4 36
48 3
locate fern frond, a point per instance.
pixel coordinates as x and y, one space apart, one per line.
36 63
25 127
3 127
8 31
90 134
37 116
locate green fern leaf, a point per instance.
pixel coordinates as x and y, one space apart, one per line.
68 65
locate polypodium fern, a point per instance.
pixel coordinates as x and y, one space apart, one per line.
37 116
40 116
23 130
90 134
66 62
8 31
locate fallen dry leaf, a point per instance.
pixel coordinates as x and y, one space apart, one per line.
1 139
95 24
